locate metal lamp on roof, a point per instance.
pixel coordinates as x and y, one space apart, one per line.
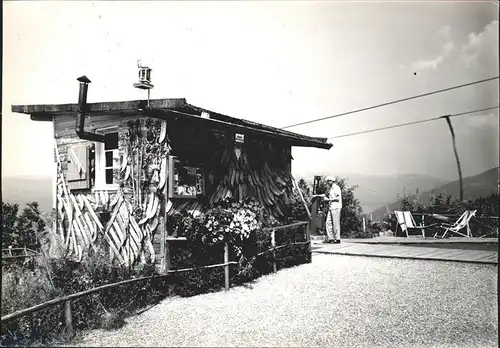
144 79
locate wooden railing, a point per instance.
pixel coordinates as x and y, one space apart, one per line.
66 300
274 247
452 215
10 253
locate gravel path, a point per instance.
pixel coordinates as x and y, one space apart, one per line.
336 301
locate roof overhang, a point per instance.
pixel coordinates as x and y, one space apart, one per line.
170 109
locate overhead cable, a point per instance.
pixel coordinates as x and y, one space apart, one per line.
414 122
393 102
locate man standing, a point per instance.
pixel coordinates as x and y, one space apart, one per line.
333 217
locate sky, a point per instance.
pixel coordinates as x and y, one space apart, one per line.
276 63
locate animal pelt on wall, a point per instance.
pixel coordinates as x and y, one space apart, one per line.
259 170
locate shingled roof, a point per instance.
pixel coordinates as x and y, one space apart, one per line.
168 109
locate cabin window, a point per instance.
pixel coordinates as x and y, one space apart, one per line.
185 181
107 162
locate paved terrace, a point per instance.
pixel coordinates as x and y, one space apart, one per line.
472 250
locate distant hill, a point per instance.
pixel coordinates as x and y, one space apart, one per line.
377 190
373 192
26 189
481 185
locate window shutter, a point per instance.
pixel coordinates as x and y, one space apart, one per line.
78 167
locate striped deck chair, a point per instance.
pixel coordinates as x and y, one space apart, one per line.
461 223
406 222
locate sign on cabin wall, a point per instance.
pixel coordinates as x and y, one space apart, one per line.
239 138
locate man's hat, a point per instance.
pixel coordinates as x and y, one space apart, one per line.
331 178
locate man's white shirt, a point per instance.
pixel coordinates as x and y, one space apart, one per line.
335 193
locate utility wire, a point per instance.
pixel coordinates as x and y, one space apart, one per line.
414 122
394 102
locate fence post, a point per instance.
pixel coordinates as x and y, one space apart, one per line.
226 267
308 234
164 253
68 318
308 239
166 258
273 244
364 224
423 224
390 224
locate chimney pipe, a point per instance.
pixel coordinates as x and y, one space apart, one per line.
80 116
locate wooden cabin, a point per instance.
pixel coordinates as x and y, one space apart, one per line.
124 167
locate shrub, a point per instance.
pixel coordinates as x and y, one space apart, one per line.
245 227
51 278
350 215
22 288
241 224
22 228
377 226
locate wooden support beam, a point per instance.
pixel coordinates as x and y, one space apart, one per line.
97 107
44 117
293 138
165 247
167 259
448 121
68 318
226 267
308 236
423 224
162 243
273 244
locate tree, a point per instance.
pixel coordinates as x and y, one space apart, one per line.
297 208
442 203
9 224
22 229
351 213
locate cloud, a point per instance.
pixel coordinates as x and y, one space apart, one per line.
481 49
428 64
446 49
445 32
478 50
481 121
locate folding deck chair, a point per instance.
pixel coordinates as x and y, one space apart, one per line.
406 222
461 223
